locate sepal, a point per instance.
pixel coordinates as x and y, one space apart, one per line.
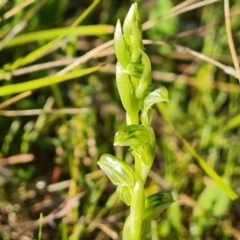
126 92
132 17
125 194
155 204
132 32
156 95
117 170
146 116
146 77
121 49
134 136
136 43
134 69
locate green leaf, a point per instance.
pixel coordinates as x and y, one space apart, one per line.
125 194
49 34
118 171
38 53
155 204
163 28
214 200
46 81
146 227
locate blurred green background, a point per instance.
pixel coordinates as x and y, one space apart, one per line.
60 109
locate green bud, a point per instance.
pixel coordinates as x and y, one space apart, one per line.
146 116
146 77
133 136
132 32
156 204
137 16
141 139
121 49
136 43
126 92
117 170
128 23
134 70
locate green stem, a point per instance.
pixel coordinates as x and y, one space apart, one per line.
133 225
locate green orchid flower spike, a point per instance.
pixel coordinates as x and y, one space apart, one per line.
138 96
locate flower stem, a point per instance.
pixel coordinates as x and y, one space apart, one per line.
133 226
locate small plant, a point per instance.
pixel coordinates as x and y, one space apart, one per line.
138 95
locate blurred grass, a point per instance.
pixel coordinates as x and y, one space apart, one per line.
66 125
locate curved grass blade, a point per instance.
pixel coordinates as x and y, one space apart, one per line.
43 82
90 30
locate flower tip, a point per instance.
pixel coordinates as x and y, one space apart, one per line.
118 28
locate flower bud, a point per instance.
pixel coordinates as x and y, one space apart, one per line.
133 33
156 204
121 49
146 77
126 92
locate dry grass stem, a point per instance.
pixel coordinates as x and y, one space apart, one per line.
15 99
16 9
177 10
227 69
182 78
230 38
17 159
32 112
86 57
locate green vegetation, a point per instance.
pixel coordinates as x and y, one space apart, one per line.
138 95
60 110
